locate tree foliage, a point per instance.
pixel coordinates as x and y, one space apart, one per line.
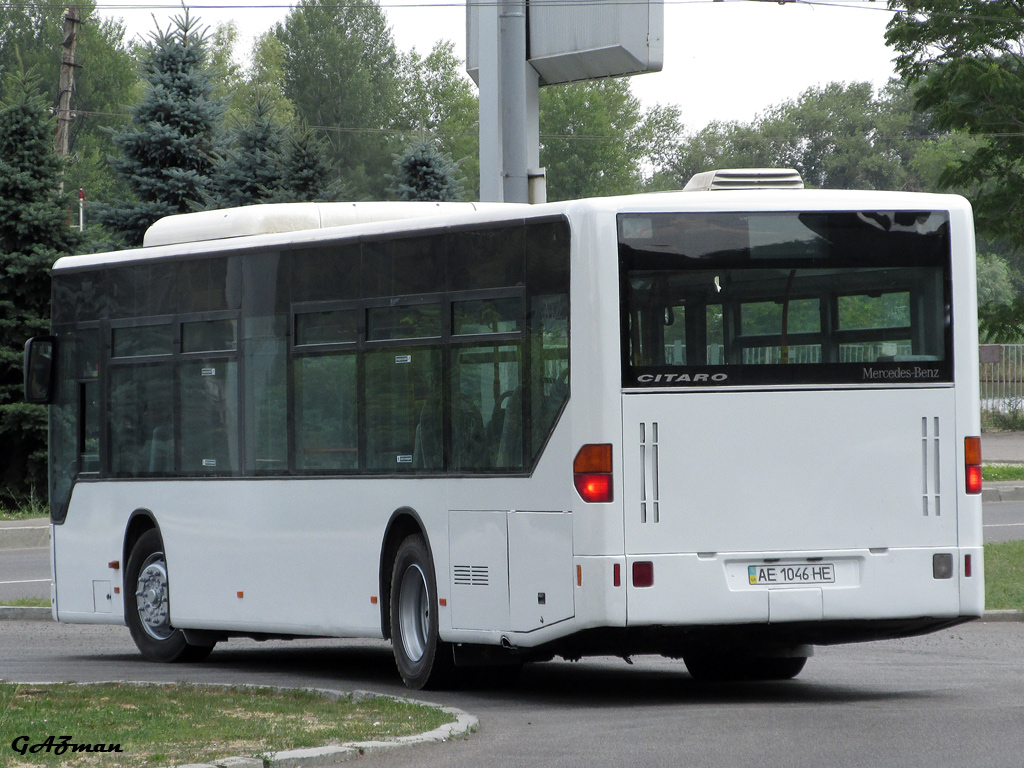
33 234
105 81
840 136
440 107
170 151
341 73
425 173
965 60
596 139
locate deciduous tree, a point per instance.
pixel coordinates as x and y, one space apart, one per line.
965 60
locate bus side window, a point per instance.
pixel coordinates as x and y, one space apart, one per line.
485 379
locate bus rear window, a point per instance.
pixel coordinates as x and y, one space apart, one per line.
785 298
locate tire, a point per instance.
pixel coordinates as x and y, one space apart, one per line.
720 667
148 615
423 659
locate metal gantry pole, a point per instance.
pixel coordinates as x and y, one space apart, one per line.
509 105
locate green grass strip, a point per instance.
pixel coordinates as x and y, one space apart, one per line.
1004 575
160 725
994 472
26 602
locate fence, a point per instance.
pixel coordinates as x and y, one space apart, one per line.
1002 386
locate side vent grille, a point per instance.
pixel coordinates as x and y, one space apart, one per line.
650 495
471 575
745 178
931 468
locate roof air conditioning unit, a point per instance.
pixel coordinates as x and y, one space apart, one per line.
745 178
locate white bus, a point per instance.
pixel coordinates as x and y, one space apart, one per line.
722 425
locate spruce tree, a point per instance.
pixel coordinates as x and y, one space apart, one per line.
33 233
252 166
424 173
307 174
171 149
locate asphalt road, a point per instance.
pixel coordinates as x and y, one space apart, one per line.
948 699
1004 521
24 573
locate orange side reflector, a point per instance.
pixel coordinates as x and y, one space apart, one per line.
114 565
443 602
373 599
240 595
579 575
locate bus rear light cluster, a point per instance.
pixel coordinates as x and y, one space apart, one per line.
972 463
592 472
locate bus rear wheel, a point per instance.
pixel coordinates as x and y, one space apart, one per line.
147 609
423 659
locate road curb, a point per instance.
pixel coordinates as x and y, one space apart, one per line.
27 534
18 613
1005 615
993 492
324 757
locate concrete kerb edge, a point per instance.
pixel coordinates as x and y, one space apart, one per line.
20 613
324 757
314 757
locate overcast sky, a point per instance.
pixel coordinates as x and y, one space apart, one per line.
723 60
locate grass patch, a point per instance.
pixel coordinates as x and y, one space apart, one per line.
994 472
33 507
26 602
1004 575
158 725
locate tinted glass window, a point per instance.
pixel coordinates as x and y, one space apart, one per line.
404 322
209 336
209 417
143 340
785 298
338 326
326 413
486 316
404 409
141 405
487 408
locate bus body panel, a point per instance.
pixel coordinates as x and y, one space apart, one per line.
876 585
839 469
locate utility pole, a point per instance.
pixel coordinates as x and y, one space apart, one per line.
509 107
67 79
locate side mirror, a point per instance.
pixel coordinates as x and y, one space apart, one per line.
40 369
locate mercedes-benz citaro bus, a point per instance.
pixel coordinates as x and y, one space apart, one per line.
724 424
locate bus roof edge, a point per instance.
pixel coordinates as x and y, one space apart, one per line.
272 218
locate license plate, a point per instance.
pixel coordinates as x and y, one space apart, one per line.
803 573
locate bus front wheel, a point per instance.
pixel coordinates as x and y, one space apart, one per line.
423 659
147 609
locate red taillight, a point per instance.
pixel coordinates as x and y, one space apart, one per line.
967 566
643 573
972 463
592 472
